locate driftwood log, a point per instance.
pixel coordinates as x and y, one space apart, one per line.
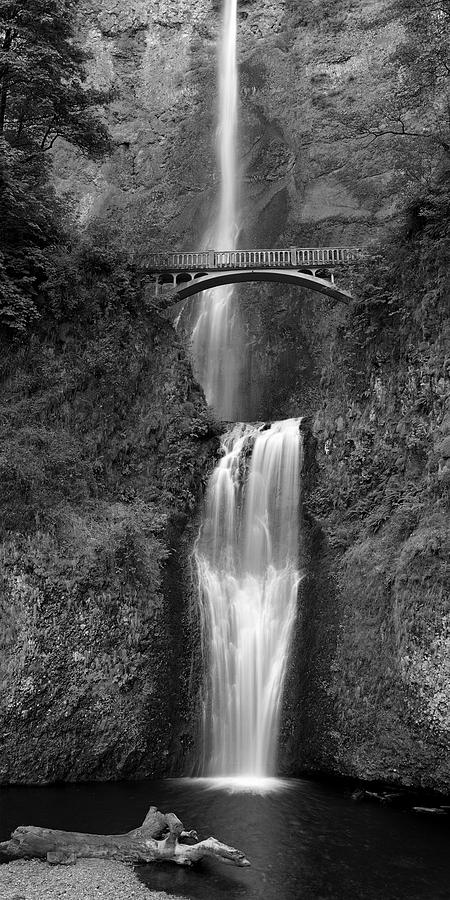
160 837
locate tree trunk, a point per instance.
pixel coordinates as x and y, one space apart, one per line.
160 837
4 76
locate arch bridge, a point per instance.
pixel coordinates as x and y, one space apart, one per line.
192 272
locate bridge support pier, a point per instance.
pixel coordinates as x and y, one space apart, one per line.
157 286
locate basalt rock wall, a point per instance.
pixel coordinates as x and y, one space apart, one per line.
369 677
308 174
105 450
367 695
305 176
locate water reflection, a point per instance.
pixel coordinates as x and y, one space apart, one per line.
309 841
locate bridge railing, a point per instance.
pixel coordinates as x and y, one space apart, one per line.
326 255
244 259
293 257
194 260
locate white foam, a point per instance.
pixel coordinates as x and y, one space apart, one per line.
248 574
242 784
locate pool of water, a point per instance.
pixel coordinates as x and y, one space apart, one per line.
305 840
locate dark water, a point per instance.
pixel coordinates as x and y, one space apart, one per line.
307 842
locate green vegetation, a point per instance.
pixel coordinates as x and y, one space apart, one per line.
412 116
104 441
43 98
104 447
384 440
392 372
103 457
380 639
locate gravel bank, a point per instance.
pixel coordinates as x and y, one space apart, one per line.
90 879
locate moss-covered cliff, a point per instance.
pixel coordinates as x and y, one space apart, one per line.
105 442
105 447
371 660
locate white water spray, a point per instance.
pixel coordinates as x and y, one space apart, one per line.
247 550
248 572
215 337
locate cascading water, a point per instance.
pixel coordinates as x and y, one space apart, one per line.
247 550
248 573
216 334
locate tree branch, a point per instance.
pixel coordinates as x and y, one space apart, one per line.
160 837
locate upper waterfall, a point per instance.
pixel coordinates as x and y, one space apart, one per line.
216 333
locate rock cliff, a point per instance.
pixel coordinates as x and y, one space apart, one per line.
307 173
369 690
105 448
371 667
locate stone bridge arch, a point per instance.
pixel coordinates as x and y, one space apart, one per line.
193 272
199 283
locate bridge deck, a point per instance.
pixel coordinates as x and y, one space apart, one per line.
213 260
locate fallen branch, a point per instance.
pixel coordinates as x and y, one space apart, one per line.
160 837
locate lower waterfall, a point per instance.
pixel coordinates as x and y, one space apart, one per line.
247 559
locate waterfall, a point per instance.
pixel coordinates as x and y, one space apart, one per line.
248 573
247 551
215 337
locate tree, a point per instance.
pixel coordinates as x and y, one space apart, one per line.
43 93
43 97
411 115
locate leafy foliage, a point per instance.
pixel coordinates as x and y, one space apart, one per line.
387 398
401 285
103 453
43 97
418 69
43 92
382 430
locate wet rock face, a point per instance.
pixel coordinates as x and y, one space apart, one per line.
369 687
158 59
306 178
367 694
108 432
303 67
